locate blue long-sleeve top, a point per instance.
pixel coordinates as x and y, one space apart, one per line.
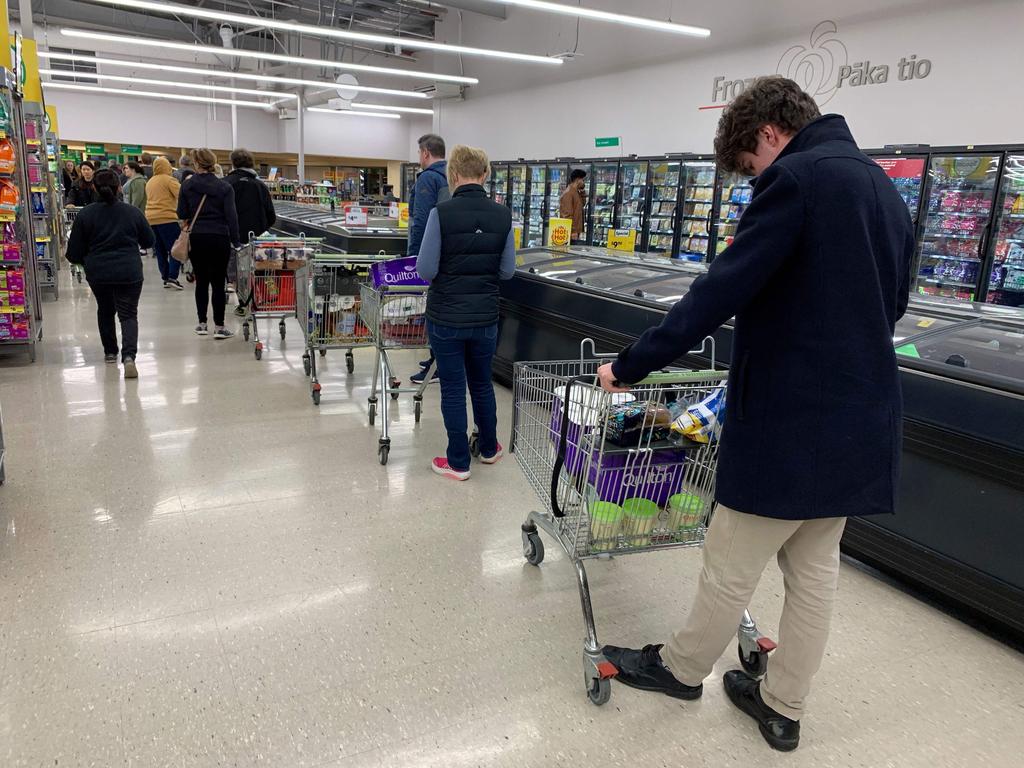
428 260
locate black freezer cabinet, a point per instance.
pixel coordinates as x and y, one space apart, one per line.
960 506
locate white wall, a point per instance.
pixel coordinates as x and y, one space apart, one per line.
972 94
352 136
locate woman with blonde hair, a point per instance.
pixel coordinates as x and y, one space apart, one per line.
467 248
207 205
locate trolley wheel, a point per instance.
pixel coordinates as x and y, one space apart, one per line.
79 276
282 329
316 396
372 413
190 278
383 452
350 362
755 664
600 691
245 331
258 351
533 550
395 384
474 445
417 410
307 366
323 352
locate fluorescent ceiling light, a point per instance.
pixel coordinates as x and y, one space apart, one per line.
224 74
242 53
354 114
410 110
614 18
192 12
168 83
153 94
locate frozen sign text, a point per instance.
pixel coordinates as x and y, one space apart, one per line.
866 73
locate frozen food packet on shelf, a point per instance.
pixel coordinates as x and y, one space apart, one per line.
702 421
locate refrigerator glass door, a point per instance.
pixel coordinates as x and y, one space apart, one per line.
736 194
661 219
499 184
517 197
989 347
697 200
536 213
605 188
632 202
558 178
1006 281
959 206
907 174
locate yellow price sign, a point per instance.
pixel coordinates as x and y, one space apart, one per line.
517 237
559 232
927 322
403 215
622 239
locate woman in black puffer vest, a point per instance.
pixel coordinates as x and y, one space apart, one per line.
467 247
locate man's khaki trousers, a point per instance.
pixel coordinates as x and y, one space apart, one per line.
736 551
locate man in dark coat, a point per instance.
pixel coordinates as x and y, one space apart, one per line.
817 276
255 207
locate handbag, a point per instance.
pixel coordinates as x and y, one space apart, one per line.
181 247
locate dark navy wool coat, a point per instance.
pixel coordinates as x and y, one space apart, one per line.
817 276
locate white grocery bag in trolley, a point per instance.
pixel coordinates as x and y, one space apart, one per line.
404 305
585 403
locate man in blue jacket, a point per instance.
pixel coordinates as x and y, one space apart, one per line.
430 189
816 278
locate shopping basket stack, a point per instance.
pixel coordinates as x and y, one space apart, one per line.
266 280
328 309
619 474
393 307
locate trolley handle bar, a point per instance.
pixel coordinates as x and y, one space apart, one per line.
660 379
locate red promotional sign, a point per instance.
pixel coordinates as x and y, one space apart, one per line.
901 167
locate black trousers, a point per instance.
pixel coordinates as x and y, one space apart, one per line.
210 255
122 301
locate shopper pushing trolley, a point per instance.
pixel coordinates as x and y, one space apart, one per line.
811 427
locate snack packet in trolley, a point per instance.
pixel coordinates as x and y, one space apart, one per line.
702 422
396 273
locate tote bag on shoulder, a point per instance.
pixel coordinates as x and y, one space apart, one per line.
180 249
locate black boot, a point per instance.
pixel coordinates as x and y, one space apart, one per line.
644 670
744 691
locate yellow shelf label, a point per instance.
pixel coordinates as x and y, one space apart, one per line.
43 239
34 142
38 189
7 217
9 310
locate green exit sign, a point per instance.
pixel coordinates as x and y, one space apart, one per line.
606 141
131 149
95 149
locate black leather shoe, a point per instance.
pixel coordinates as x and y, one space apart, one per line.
645 671
744 691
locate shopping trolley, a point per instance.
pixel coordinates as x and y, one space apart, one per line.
616 476
396 319
266 281
328 310
70 212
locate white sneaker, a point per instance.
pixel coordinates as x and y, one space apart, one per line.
201 330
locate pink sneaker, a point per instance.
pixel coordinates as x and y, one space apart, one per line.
495 458
440 467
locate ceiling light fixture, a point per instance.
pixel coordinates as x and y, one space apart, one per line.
353 114
152 94
242 53
409 110
614 18
192 12
223 74
168 83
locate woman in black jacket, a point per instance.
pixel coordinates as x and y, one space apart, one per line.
211 201
83 190
106 238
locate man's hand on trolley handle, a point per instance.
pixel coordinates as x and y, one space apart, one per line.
608 381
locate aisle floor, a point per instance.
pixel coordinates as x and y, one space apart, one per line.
201 568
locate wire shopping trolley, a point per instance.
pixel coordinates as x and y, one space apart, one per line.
70 212
620 474
396 318
266 280
328 309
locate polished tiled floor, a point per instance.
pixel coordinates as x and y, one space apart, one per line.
201 568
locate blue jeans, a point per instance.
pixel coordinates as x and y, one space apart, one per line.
464 356
166 234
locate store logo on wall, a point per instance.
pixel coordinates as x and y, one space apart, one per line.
822 67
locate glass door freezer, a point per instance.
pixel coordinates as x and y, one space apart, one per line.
604 196
660 222
1006 275
558 177
907 174
632 206
951 245
499 183
536 208
734 194
697 210
517 193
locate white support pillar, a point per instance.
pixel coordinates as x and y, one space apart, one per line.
301 106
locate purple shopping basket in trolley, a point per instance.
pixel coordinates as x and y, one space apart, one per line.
617 474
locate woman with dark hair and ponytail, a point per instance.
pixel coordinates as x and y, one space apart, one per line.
105 239
83 189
